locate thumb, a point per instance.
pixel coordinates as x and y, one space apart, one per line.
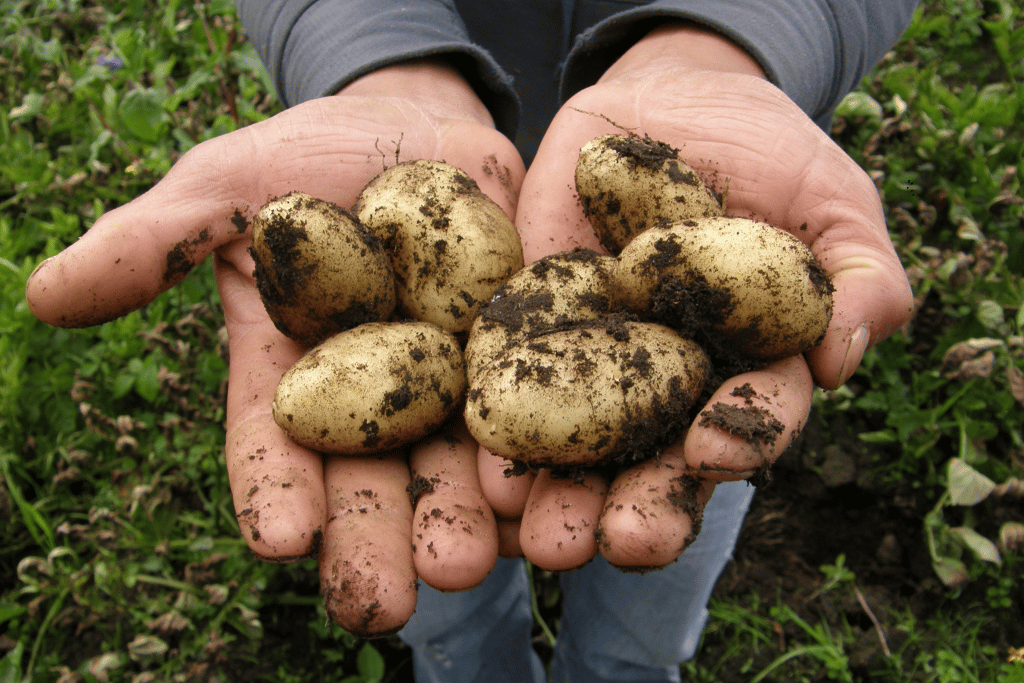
872 299
136 252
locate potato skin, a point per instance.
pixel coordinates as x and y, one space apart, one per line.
627 184
318 271
451 246
754 287
556 291
371 388
610 392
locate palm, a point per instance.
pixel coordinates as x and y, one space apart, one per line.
755 146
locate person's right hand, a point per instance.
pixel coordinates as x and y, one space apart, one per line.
292 502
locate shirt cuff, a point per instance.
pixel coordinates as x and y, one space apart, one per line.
816 51
314 48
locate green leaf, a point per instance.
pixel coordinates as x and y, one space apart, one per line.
31 104
123 383
990 314
9 610
10 665
143 113
982 548
950 571
147 648
370 664
884 436
859 105
147 382
967 486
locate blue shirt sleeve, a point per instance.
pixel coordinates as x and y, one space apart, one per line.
313 48
816 51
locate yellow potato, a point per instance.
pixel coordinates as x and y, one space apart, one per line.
451 246
318 271
750 286
557 291
627 184
613 391
371 388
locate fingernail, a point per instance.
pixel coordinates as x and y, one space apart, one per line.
38 268
859 341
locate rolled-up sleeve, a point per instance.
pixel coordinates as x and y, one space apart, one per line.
313 48
816 51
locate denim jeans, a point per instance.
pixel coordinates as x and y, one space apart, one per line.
616 627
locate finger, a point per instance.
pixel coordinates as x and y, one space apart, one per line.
508 538
455 533
560 519
750 420
653 512
277 486
505 491
367 575
870 303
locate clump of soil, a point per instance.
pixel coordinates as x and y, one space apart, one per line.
754 424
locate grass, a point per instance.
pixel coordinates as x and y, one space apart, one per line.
120 558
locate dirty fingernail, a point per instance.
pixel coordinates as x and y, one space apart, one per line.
38 268
859 341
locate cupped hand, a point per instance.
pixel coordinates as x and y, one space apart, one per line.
697 92
292 502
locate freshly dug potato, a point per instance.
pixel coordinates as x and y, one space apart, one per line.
557 291
755 287
627 184
318 271
451 246
371 388
613 391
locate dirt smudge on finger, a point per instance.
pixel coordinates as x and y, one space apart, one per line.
684 495
419 487
181 258
352 597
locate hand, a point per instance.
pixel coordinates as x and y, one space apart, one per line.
292 502
698 92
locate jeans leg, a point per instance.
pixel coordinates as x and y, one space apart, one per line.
638 628
477 636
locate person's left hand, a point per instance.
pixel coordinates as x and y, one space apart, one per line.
696 91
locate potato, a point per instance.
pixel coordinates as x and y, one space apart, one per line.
371 388
756 288
318 271
612 391
450 245
557 291
627 184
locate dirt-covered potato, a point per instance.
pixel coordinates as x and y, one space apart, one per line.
371 388
451 246
613 391
758 289
318 271
628 183
557 291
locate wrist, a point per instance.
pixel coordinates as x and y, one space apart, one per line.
431 84
684 45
